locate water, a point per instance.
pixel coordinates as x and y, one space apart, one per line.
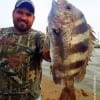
91 81
92 77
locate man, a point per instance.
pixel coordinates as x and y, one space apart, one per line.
22 50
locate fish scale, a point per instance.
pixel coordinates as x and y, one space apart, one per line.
71 40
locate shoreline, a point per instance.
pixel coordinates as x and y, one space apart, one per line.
97 46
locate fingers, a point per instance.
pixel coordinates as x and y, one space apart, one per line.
46 56
4 41
13 61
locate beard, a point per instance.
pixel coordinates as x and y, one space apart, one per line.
22 26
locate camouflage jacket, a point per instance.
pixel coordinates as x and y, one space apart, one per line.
28 51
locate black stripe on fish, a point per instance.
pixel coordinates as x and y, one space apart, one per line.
80 47
77 64
81 28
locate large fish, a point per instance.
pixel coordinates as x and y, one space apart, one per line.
71 41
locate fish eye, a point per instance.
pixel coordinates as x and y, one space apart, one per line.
69 7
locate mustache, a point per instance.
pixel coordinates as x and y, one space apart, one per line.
22 20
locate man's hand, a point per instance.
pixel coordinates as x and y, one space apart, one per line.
5 41
13 61
46 56
16 60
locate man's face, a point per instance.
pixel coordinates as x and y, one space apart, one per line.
22 19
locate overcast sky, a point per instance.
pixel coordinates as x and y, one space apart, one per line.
90 8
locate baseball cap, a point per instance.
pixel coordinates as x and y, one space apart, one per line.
25 3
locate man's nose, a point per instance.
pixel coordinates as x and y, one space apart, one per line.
24 16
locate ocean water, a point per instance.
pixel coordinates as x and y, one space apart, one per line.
92 77
91 82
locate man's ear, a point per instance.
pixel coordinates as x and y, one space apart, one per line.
33 18
13 12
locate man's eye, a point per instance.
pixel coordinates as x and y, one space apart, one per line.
19 12
28 14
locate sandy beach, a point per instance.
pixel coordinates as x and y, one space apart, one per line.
50 91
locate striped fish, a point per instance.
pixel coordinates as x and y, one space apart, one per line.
71 41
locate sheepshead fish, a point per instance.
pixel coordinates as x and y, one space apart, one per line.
71 41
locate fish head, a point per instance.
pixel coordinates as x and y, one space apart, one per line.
63 15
